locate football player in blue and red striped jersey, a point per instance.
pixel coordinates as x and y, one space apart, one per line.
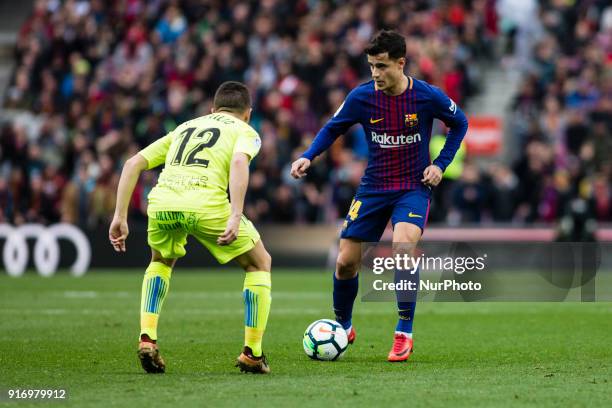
397 113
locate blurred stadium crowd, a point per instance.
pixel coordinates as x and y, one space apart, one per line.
102 79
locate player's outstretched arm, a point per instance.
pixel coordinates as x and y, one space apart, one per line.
238 182
118 230
346 116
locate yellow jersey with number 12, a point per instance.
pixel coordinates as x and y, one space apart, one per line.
197 156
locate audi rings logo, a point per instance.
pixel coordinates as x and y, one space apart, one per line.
46 248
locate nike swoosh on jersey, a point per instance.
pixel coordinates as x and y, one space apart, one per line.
413 215
372 121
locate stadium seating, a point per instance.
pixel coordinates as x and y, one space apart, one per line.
103 81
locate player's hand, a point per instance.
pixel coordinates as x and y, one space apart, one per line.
118 233
432 175
231 231
299 167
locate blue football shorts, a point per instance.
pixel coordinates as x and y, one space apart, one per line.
370 212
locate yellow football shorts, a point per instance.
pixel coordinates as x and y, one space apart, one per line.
168 231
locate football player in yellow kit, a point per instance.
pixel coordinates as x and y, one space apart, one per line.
202 157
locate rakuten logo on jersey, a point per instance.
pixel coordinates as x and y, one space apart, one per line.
390 141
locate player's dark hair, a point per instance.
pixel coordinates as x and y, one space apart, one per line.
232 96
387 41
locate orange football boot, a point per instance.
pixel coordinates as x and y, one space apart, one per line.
402 348
351 335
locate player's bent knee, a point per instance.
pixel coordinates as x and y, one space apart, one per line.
266 262
349 259
156 256
406 233
263 260
346 267
257 259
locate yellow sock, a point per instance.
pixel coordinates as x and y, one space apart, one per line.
257 299
154 290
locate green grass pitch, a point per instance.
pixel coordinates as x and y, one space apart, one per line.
81 334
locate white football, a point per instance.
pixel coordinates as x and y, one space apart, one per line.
325 340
